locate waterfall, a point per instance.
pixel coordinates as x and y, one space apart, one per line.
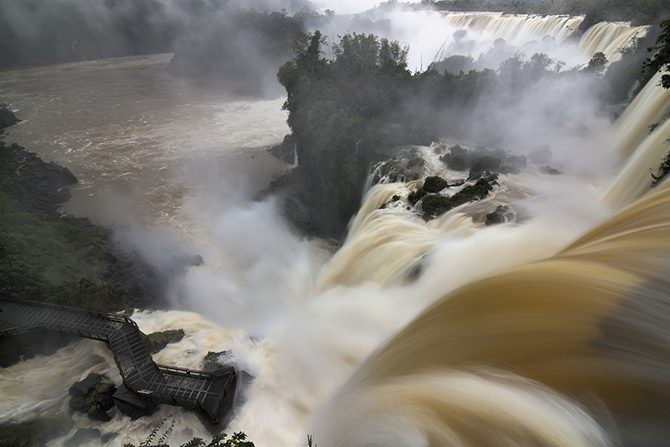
610 38
636 179
649 107
515 28
645 149
531 356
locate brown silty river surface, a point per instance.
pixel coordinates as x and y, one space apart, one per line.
138 139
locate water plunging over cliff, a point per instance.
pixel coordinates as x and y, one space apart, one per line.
539 352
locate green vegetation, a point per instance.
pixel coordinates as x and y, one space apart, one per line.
164 429
660 59
341 111
351 110
63 260
46 256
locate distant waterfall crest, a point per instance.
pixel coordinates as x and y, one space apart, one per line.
521 29
517 28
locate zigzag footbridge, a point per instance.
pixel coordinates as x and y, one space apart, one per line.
211 394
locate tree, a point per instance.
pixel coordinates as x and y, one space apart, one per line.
660 60
597 64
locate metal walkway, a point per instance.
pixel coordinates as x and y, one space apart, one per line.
210 393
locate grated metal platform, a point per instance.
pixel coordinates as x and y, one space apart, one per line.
210 393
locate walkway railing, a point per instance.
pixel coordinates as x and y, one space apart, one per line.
210 393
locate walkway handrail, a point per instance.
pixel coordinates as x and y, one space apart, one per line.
212 393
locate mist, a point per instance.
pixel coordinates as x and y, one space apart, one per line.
174 156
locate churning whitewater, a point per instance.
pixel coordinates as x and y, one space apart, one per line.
381 342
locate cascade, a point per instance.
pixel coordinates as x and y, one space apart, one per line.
644 148
515 28
543 354
649 107
609 38
635 178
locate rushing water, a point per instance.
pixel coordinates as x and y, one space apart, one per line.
540 353
432 36
126 127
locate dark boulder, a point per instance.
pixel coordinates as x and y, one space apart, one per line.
502 214
415 196
7 118
84 387
285 151
434 184
486 163
456 159
159 340
33 182
214 361
406 165
93 396
550 171
434 205
513 164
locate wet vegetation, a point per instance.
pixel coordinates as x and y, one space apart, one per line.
56 258
348 111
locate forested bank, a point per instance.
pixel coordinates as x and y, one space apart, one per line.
57 258
349 111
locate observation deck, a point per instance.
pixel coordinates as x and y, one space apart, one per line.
210 393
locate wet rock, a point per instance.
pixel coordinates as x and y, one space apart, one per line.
7 118
83 437
196 261
85 387
514 164
434 205
550 171
439 149
285 151
33 182
393 200
159 340
103 396
486 163
93 396
407 165
502 214
415 196
213 361
456 159
434 184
